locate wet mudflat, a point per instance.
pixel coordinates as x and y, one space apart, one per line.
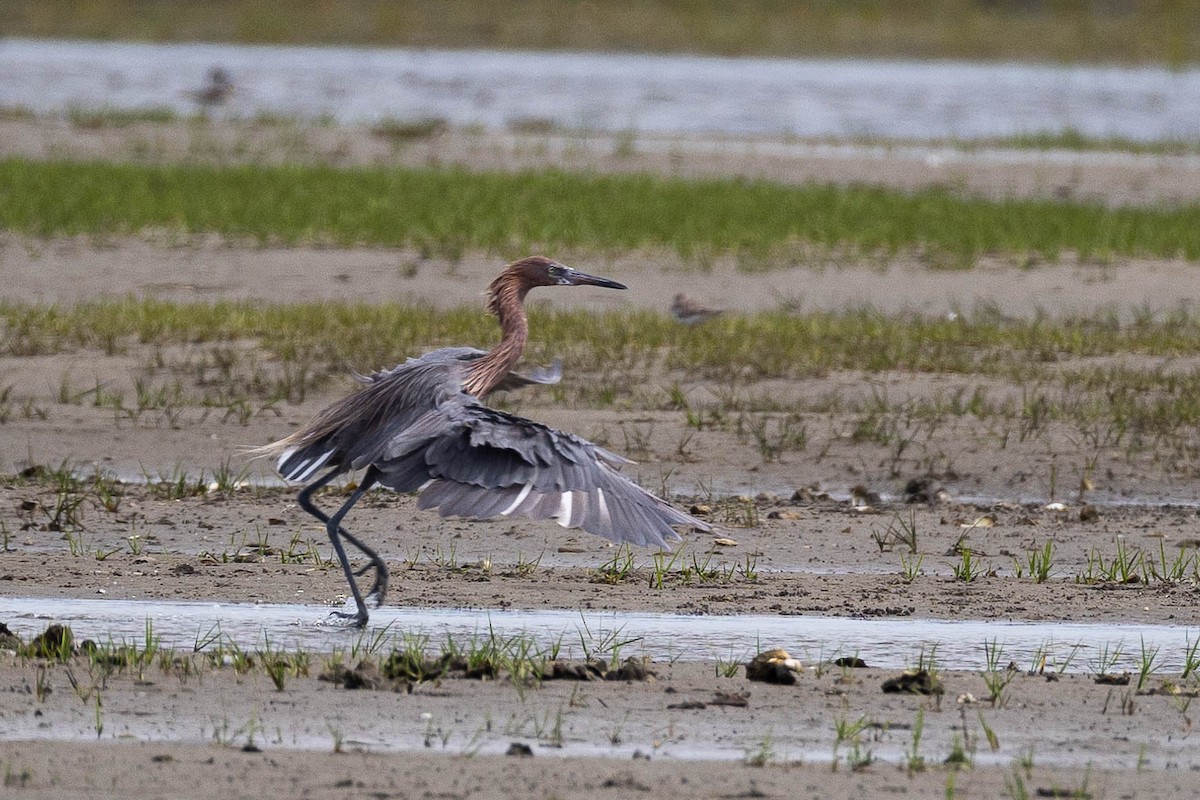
820 531
684 730
785 556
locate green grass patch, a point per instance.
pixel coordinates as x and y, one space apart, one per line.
1073 139
98 118
448 211
238 360
398 130
1136 31
764 345
1067 139
17 114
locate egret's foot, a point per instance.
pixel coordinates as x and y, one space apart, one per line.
348 618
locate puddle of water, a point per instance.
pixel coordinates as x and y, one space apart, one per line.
406 725
658 94
889 643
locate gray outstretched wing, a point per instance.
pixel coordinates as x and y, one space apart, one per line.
472 461
352 432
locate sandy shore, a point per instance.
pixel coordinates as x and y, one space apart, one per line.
811 553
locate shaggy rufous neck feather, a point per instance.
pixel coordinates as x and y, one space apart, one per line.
506 296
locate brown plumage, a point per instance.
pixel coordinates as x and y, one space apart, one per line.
506 301
421 426
689 312
216 91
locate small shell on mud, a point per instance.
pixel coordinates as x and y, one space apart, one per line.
1055 506
862 496
699 509
966 698
1112 679
986 521
913 681
725 542
1174 690
632 669
785 514
732 699
809 494
773 666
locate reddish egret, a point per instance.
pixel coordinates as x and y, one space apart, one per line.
421 426
689 312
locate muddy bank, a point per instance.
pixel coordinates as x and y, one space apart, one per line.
684 733
73 270
822 528
821 557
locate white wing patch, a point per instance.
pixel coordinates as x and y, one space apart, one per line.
564 509
312 467
604 515
284 457
515 504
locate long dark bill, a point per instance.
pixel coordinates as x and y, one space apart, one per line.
575 278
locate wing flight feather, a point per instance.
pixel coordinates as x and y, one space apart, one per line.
485 463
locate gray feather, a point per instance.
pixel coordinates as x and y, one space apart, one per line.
413 423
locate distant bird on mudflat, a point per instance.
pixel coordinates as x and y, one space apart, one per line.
216 91
422 427
690 312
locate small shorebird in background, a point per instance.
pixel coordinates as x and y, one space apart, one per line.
216 91
689 312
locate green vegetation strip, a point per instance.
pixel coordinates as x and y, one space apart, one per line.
1043 361
766 345
1063 30
447 212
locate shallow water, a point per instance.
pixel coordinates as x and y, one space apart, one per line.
886 643
668 94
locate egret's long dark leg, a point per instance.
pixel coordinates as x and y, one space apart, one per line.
332 528
380 586
336 532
